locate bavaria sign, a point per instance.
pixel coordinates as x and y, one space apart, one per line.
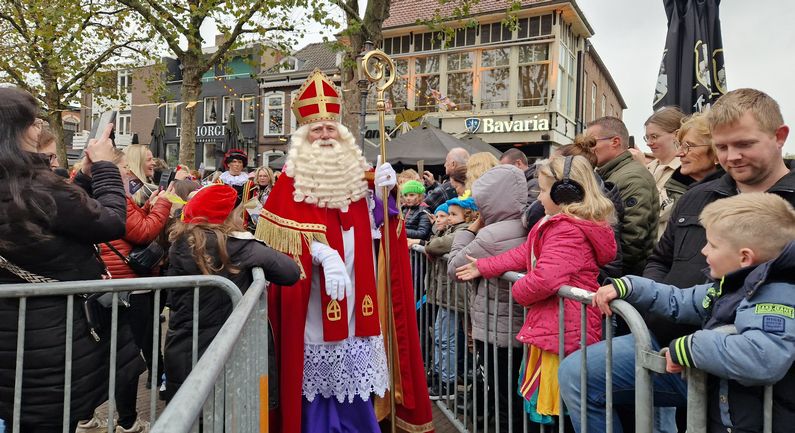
490 125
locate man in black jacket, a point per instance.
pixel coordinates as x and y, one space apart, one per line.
440 193
748 133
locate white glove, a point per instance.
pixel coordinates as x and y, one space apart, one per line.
338 282
385 176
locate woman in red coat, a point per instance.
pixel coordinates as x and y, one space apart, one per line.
144 225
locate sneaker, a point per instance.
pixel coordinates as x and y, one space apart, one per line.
138 427
91 424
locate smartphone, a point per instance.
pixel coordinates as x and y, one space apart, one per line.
133 183
99 126
421 167
165 180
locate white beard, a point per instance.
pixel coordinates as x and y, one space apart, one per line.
326 176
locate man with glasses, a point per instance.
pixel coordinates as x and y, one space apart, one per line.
636 188
748 134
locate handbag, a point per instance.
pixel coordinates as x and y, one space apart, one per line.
95 312
142 259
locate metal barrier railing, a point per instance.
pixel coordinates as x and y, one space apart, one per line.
70 289
228 386
489 372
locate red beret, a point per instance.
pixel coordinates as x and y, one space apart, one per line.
212 204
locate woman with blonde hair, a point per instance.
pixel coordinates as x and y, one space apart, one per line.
660 136
263 183
698 162
567 247
478 164
142 165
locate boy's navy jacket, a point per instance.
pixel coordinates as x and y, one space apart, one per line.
760 303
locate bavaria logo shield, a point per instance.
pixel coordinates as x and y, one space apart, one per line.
472 124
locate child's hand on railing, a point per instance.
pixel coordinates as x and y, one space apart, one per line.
469 271
602 299
670 365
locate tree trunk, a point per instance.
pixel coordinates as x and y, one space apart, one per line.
190 92
53 101
350 89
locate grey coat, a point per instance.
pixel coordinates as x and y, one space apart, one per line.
501 194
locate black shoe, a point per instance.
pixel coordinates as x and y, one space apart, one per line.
442 392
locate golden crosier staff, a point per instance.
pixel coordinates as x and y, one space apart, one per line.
374 65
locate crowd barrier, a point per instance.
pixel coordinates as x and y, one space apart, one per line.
473 405
250 339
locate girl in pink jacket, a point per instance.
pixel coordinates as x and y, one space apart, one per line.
566 247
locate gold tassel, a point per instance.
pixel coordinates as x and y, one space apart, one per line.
287 240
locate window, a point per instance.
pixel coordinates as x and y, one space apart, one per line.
462 37
428 41
171 113
426 83
210 110
460 79
396 97
289 64
566 86
398 45
228 106
593 101
604 100
123 124
534 26
273 113
533 75
494 32
494 78
247 108
124 82
293 120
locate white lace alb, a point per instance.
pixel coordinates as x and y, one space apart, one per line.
354 366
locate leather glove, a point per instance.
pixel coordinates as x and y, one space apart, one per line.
338 282
385 176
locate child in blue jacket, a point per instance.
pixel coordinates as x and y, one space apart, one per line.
751 255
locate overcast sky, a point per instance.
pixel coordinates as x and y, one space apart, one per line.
758 39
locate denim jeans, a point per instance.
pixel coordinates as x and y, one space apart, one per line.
448 342
668 389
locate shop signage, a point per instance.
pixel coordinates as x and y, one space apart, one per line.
488 125
206 131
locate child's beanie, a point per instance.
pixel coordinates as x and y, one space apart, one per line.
442 208
412 187
212 204
467 203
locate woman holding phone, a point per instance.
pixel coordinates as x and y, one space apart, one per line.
48 228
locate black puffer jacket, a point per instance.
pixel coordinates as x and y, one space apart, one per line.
79 222
677 258
418 224
437 194
214 305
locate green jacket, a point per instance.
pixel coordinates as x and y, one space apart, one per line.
641 209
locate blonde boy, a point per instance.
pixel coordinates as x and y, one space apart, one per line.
751 255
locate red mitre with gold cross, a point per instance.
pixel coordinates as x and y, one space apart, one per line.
318 99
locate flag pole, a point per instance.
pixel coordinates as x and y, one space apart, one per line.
375 65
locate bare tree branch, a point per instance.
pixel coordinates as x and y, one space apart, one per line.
171 40
350 12
78 81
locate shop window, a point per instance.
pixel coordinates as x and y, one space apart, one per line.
533 75
273 113
494 78
426 82
171 113
210 110
460 79
247 108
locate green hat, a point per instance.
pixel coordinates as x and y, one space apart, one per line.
412 187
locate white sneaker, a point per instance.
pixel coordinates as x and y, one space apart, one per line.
91 424
138 427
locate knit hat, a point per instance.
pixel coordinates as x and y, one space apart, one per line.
442 208
212 204
235 154
468 203
412 187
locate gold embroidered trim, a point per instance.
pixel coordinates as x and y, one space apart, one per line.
367 306
333 311
292 224
403 425
287 236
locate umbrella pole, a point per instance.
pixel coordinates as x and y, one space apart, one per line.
373 65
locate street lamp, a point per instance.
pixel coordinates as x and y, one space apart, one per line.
364 85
